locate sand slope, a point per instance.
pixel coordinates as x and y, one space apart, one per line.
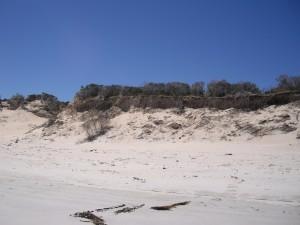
49 173
173 125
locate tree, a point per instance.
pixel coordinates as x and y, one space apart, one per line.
112 90
244 88
154 89
197 88
131 91
91 90
288 83
218 88
177 89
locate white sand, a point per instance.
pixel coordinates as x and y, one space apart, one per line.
43 179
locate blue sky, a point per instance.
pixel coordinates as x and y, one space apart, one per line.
56 46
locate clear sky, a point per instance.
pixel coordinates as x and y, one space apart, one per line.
56 46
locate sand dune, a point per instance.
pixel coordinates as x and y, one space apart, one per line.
235 167
190 125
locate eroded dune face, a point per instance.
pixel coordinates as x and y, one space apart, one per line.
183 125
15 124
199 124
155 124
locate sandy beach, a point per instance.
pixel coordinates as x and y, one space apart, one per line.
149 112
240 182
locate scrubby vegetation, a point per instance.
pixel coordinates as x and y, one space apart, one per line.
97 124
166 89
223 88
16 101
287 83
216 88
217 94
48 105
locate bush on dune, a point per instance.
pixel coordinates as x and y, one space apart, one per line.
96 125
16 101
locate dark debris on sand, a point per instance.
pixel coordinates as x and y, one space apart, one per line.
169 207
109 208
90 216
96 220
129 209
